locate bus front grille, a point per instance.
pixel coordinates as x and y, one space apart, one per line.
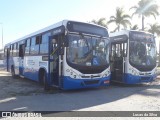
145 78
91 82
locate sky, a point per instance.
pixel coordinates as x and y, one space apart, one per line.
22 17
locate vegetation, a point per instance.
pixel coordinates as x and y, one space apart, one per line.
101 21
154 29
134 27
120 19
145 8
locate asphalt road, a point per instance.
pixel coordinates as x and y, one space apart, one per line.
118 98
143 97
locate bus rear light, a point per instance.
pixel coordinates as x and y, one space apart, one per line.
106 81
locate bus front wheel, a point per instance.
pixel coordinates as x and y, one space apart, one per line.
13 72
44 80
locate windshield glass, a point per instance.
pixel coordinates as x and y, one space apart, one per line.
142 50
88 51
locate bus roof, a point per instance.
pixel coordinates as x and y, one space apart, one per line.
58 24
126 32
39 31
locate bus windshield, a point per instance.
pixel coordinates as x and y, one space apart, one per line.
142 50
87 50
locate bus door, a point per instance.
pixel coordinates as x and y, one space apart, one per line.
55 64
21 58
8 57
118 61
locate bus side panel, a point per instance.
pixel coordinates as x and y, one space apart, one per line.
16 65
14 62
11 63
1 63
32 64
21 67
6 63
134 79
1 58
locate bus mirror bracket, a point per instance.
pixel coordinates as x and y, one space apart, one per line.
61 51
66 42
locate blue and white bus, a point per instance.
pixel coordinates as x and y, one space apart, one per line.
133 57
67 55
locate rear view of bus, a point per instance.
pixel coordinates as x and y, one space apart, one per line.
67 55
133 57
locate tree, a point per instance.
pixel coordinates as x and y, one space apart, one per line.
154 29
146 8
101 21
120 19
135 27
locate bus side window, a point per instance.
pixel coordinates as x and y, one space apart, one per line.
125 49
11 50
32 48
118 50
21 50
14 50
5 52
44 43
113 52
17 49
27 47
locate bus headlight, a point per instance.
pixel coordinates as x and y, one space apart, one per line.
106 73
156 71
73 74
134 72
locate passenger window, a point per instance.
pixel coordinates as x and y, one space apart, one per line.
34 47
119 50
14 50
38 39
10 48
5 52
33 41
27 47
44 43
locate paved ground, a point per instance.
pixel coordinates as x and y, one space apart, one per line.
25 95
16 87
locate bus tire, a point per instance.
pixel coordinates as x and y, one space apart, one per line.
13 72
45 83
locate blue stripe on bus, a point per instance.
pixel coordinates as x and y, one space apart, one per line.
21 70
133 79
31 75
70 83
